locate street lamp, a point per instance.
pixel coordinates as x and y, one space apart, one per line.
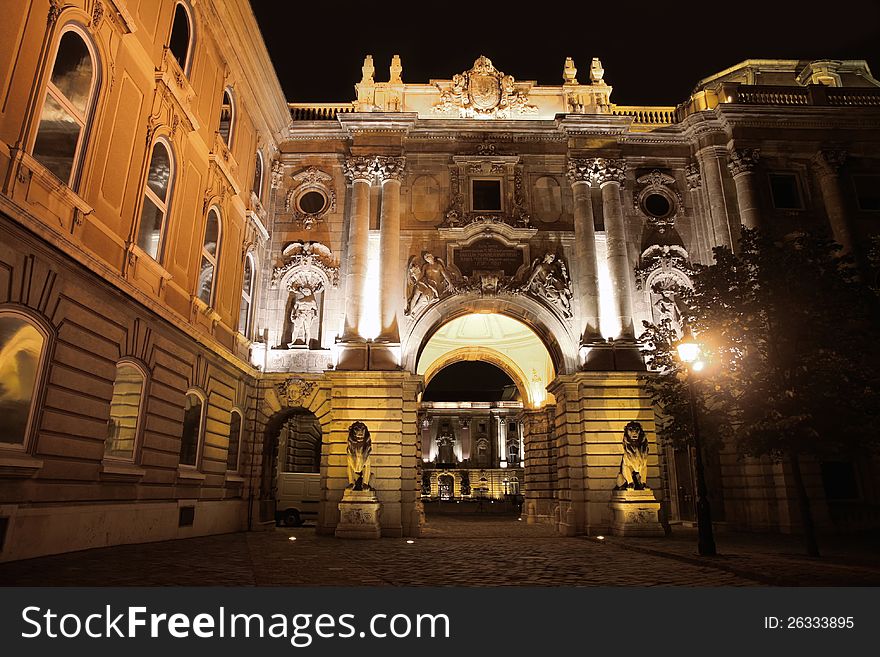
689 352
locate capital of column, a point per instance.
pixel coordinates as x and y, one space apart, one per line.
743 160
390 168
580 170
359 168
608 170
693 176
828 160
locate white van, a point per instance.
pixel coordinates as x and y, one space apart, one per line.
297 497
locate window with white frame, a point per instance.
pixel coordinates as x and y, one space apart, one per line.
210 251
191 436
22 347
125 411
157 200
247 291
234 441
67 106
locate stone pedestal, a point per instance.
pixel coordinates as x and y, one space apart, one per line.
359 515
635 513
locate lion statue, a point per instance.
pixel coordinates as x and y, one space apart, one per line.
359 449
634 464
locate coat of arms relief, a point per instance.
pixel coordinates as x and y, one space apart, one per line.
483 92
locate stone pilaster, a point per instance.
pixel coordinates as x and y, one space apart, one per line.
580 175
711 160
390 172
826 164
540 476
702 222
610 175
743 165
359 172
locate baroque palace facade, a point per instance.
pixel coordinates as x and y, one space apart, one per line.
204 286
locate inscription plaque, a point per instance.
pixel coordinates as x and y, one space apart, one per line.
488 254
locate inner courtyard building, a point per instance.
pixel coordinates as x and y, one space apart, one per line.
203 286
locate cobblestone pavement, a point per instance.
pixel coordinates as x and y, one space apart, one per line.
454 551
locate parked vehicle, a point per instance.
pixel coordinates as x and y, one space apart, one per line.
297 497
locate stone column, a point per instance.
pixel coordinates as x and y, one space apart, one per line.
390 172
502 442
359 171
710 159
702 242
580 175
826 164
610 175
742 165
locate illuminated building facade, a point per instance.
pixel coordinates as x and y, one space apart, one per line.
194 267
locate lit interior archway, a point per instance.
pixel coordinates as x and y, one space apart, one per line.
497 339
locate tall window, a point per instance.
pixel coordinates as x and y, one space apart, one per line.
157 198
210 249
125 410
21 352
247 290
258 176
234 441
180 40
192 429
227 118
68 105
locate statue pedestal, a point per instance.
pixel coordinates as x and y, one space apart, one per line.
359 515
635 513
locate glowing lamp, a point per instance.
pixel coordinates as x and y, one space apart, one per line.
688 348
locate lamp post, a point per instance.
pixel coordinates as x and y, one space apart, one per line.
689 353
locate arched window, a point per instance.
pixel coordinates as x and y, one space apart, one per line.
22 344
68 105
157 200
258 176
191 437
125 411
210 253
247 291
227 118
180 41
234 441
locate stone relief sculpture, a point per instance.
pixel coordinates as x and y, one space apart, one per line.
428 280
634 463
359 449
303 316
548 279
483 91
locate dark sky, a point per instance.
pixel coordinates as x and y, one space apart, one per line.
467 381
653 52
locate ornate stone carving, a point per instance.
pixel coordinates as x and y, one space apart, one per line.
521 216
303 315
97 14
693 176
390 168
483 92
665 272
829 160
295 391
569 72
359 168
609 170
597 73
581 170
54 11
547 278
428 280
658 183
307 257
277 173
455 211
310 179
743 160
634 463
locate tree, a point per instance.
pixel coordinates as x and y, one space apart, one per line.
792 336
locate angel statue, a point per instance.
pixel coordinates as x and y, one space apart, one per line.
428 280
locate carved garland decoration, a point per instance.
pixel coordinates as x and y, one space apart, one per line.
312 264
482 92
311 179
658 183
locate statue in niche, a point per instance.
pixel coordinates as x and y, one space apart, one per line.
358 456
548 278
428 280
426 482
634 463
303 316
465 483
667 306
445 447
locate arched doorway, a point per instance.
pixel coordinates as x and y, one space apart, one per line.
291 470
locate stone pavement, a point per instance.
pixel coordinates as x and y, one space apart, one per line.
454 551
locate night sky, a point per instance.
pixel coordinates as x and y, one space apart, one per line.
653 53
468 381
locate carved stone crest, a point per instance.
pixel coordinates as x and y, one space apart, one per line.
483 92
312 256
295 391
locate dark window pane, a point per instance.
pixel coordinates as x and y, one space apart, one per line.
234 439
206 281
657 205
150 231
258 176
72 73
57 137
179 41
160 171
20 348
312 202
244 317
248 278
868 192
212 231
487 195
189 440
786 195
225 117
